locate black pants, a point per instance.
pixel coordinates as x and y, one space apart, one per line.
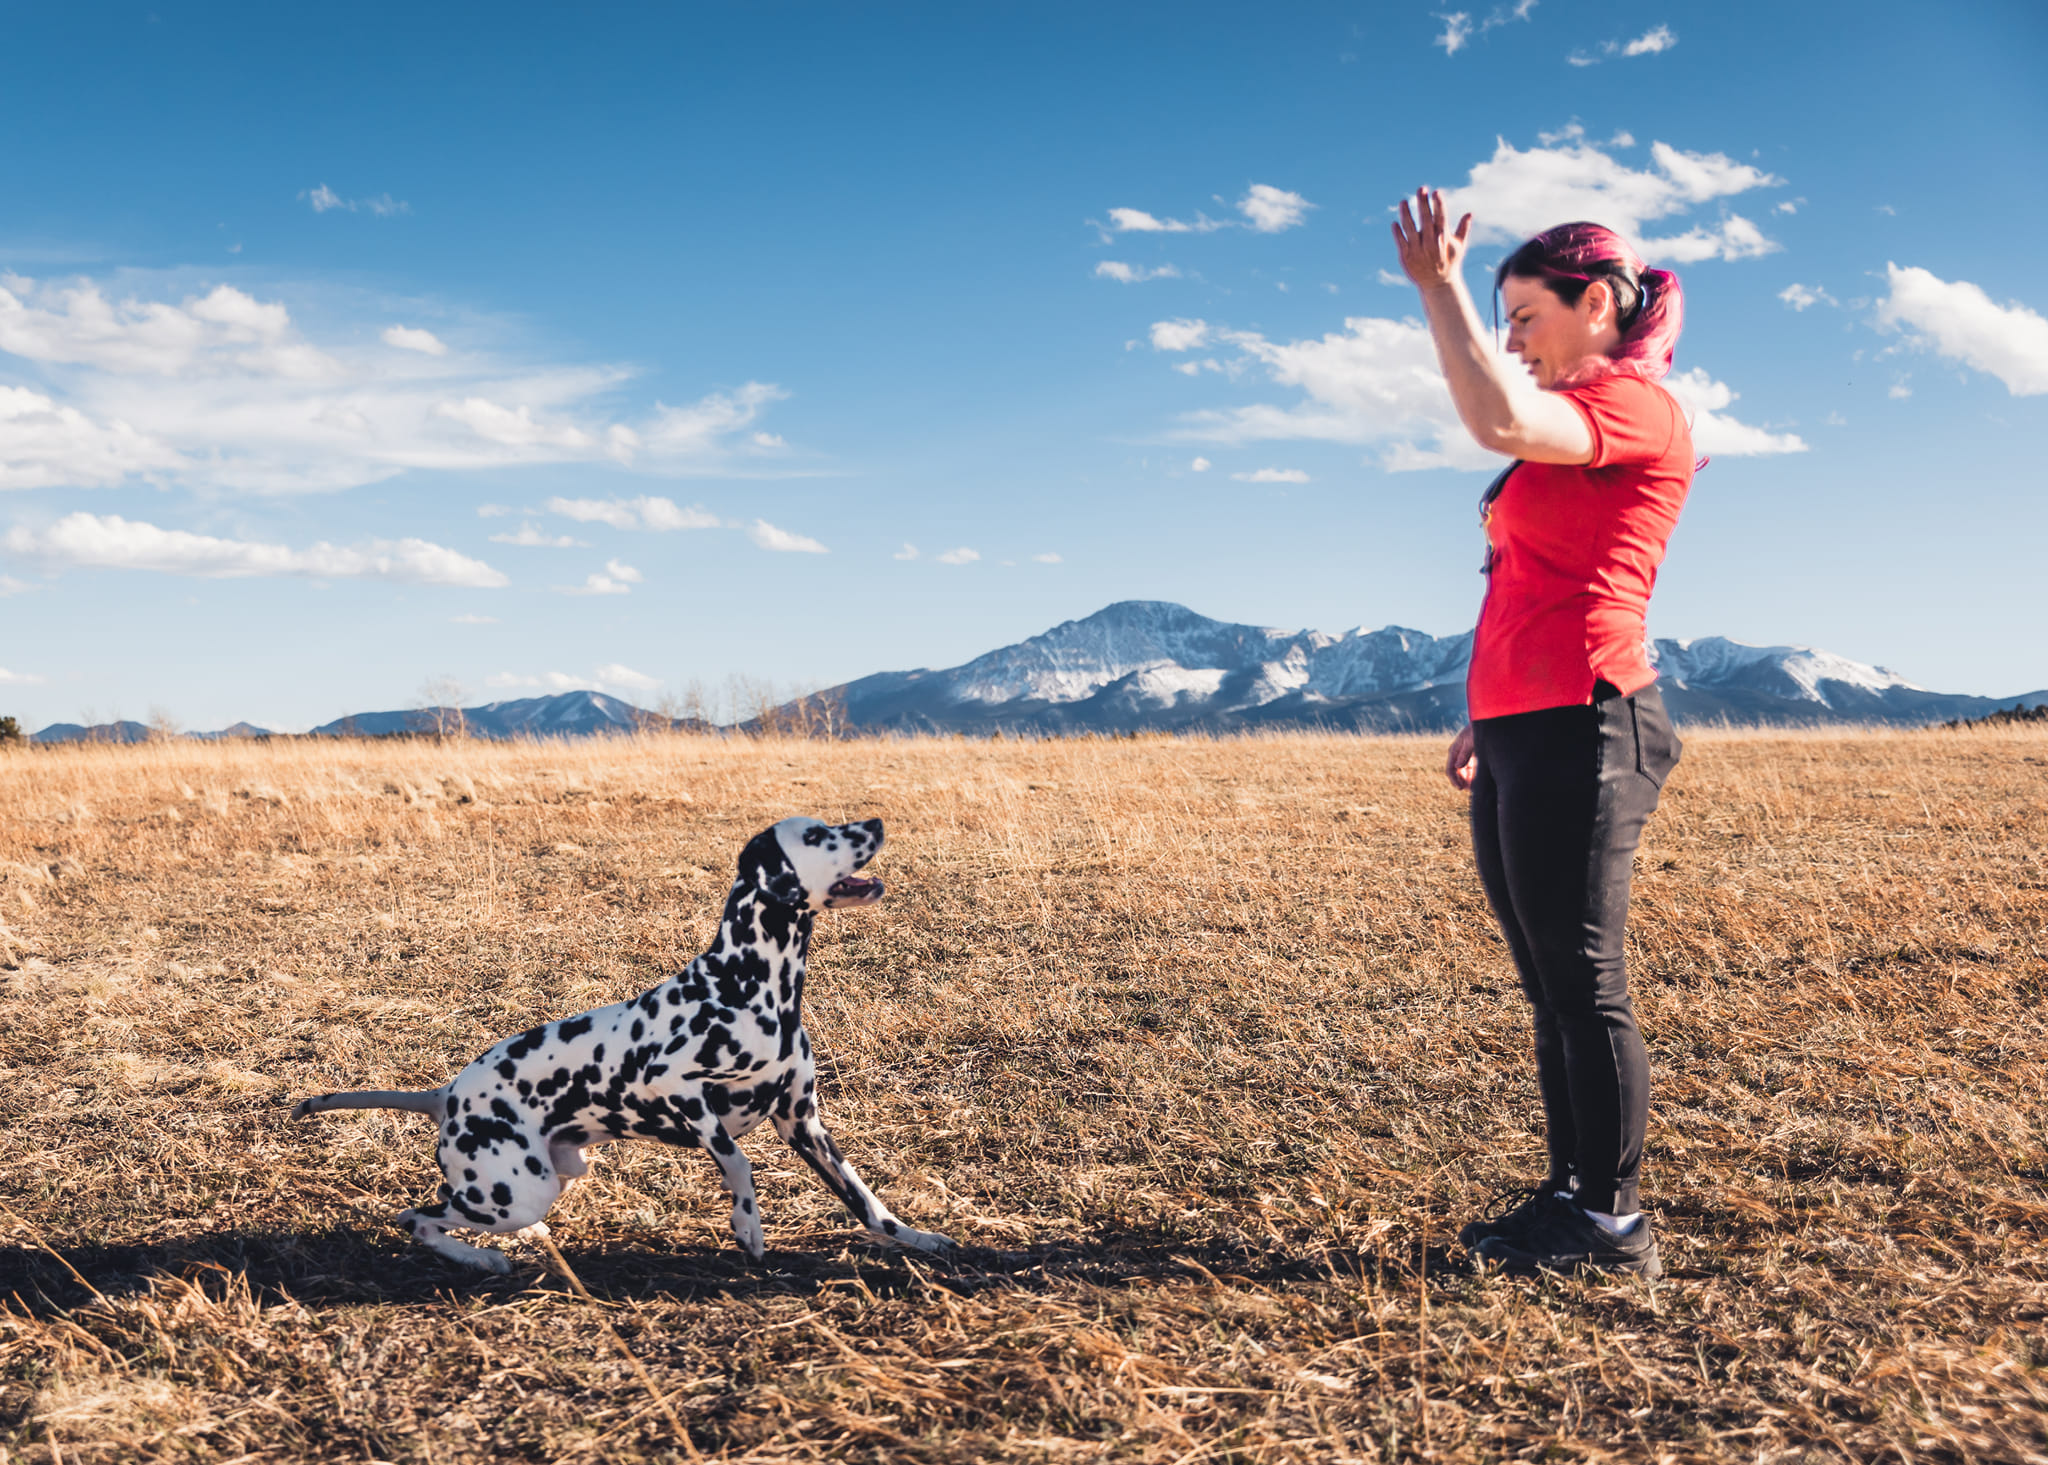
1559 804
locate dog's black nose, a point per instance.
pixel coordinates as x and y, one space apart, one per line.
873 827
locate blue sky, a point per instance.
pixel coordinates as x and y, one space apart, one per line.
532 346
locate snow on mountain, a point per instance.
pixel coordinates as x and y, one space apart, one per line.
1715 661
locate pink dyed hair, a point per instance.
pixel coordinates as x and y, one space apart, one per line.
1648 303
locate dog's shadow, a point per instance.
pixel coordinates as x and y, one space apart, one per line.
344 1266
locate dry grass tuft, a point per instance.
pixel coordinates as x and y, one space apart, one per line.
1205 1047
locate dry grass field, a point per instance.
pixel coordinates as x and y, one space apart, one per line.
1204 1049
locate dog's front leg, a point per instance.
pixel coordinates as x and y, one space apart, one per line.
806 1134
709 1134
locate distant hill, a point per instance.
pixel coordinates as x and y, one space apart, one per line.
1146 665
1153 666
104 732
567 714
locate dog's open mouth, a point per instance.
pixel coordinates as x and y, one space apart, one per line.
854 890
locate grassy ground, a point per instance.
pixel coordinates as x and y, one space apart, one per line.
1205 1049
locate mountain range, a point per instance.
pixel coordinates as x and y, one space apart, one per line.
1149 665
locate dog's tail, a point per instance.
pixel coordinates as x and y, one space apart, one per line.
417 1101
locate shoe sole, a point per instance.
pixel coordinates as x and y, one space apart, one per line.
1522 1264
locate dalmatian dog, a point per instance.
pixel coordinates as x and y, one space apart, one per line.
698 1061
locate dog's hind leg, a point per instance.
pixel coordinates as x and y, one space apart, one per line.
502 1198
429 1227
806 1134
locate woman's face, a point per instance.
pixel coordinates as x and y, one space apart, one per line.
1553 338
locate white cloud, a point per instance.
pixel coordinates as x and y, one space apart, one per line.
11 586
657 514
111 542
1651 42
616 578
1266 210
384 206
1377 384
409 338
960 556
767 536
492 511
1957 319
1272 475
45 445
1388 277
531 537
1196 368
908 552
1269 210
612 674
474 620
611 677
513 427
1200 465
213 388
1459 26
1900 389
1116 269
1137 221
1179 335
1799 297
18 678
1718 435
1045 559
1515 194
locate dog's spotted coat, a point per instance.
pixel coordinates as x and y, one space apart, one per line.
698 1061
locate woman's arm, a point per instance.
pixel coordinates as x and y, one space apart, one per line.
1537 427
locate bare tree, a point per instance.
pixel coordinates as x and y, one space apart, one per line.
439 706
163 727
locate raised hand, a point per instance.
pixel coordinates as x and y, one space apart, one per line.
1430 256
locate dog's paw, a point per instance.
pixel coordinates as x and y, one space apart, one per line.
911 1239
487 1260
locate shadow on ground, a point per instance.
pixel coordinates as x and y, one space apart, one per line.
347 1267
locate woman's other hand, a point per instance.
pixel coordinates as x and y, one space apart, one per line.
1431 256
1462 766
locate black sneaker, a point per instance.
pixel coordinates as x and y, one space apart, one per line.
1511 1209
1557 1236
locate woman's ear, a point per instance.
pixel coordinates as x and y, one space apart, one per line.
1598 302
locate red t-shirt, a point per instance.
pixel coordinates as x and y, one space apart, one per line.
1575 551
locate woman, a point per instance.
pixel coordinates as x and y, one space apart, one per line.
1568 743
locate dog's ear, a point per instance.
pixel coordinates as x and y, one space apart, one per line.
764 865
